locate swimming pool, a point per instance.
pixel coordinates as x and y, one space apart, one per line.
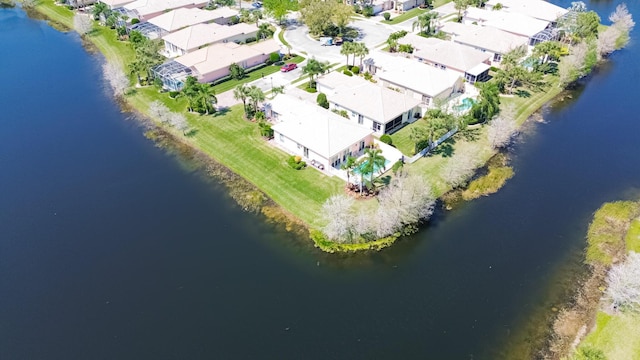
466 104
376 169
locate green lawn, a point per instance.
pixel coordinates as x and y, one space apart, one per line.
57 13
633 236
254 75
618 336
401 137
528 104
404 17
281 38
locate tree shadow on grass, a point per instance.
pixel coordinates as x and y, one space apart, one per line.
523 94
383 180
191 133
469 134
222 111
445 149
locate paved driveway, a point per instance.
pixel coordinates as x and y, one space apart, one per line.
372 33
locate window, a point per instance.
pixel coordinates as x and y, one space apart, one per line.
376 126
361 146
426 99
281 138
353 113
360 119
497 57
306 153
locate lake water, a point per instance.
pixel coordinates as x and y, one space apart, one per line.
110 248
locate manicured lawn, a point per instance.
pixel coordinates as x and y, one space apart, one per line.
57 13
404 17
618 336
401 137
254 75
281 38
527 105
633 236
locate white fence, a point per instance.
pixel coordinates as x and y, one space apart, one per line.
432 146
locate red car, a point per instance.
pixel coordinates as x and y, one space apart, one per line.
289 67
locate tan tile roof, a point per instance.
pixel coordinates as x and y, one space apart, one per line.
447 53
199 35
538 9
484 37
183 17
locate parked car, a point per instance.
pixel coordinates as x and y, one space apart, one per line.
289 67
256 5
326 41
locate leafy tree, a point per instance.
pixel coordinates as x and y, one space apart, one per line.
438 123
264 31
280 8
317 15
321 99
424 22
136 38
147 56
342 15
100 8
488 103
256 95
206 98
461 5
587 25
548 51
349 164
236 71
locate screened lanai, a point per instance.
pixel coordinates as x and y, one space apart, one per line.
149 30
172 74
547 34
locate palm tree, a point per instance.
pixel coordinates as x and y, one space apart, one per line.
424 22
241 92
257 96
264 31
361 50
372 162
100 8
314 68
348 166
206 98
347 49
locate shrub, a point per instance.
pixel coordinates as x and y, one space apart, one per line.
236 71
355 70
296 162
135 21
173 94
387 16
367 11
311 90
386 139
368 76
274 57
397 166
249 40
265 129
347 72
322 100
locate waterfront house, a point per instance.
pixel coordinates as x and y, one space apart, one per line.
144 10
194 37
423 82
114 4
539 9
535 30
369 105
314 133
212 62
493 41
174 20
473 65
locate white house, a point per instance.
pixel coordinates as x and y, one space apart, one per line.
194 37
539 9
367 104
470 63
147 9
423 82
114 4
172 21
303 128
512 22
493 41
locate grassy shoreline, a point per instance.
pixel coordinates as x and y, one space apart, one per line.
236 144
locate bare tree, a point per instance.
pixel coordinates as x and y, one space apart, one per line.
82 23
178 121
624 283
407 200
116 78
460 167
571 67
159 111
502 128
622 19
337 210
607 41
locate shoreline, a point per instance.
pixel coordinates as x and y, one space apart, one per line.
119 52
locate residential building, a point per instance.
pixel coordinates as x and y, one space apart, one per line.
194 37
212 62
144 10
367 104
511 22
421 81
493 41
539 9
174 20
305 129
114 4
470 63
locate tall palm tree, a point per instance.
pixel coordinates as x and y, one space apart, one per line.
424 22
373 161
348 166
314 68
361 51
264 31
257 96
206 98
241 92
347 49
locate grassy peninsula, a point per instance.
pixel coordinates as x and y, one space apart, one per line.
232 141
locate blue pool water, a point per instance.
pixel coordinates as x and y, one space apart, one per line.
356 170
467 103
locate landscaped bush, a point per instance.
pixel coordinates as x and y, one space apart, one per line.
347 72
387 16
173 94
274 57
135 21
249 40
311 90
368 76
265 129
367 11
296 162
322 100
355 70
386 139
